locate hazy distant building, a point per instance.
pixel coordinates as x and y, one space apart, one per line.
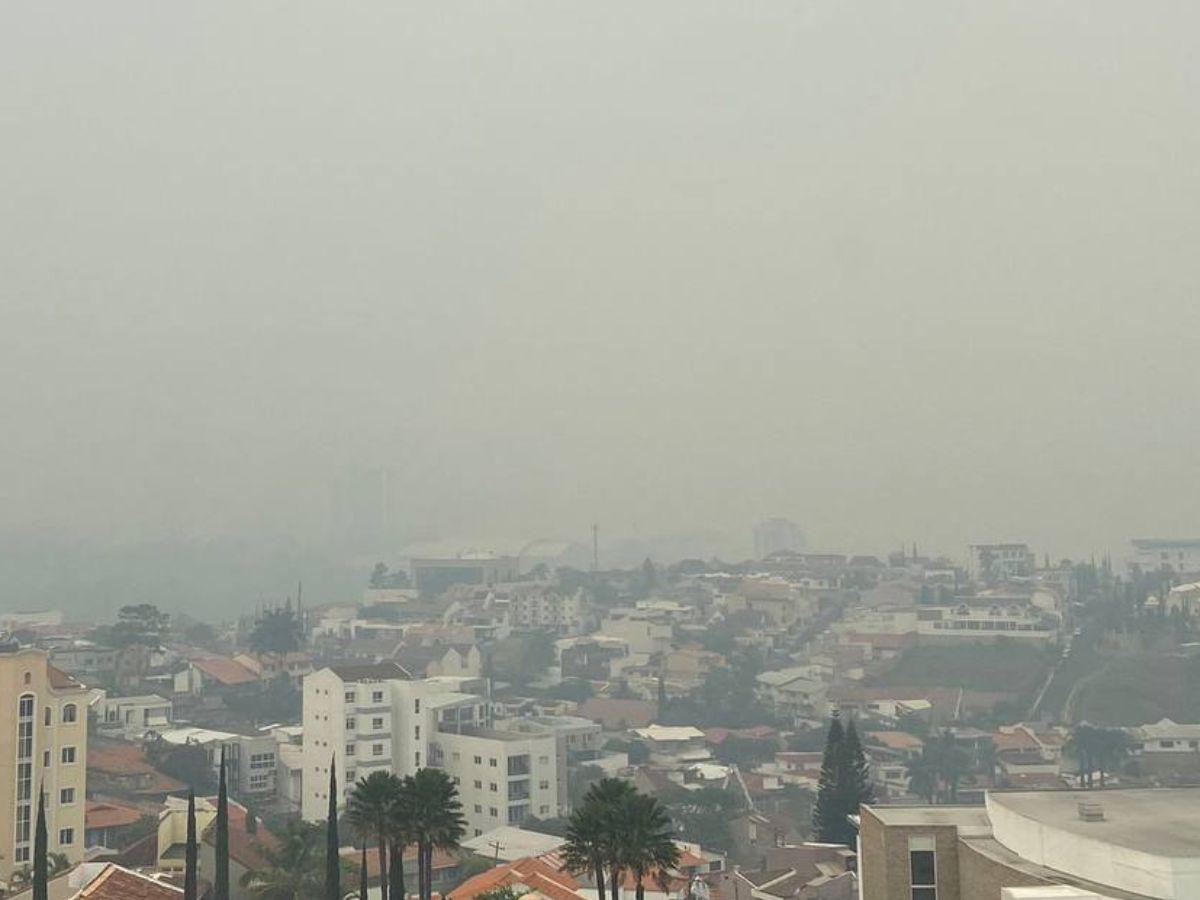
1176 554
775 536
999 562
433 575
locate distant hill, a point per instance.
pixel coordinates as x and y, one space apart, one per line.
209 580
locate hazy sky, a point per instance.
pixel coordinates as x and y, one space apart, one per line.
897 270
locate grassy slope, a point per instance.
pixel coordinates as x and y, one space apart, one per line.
1005 666
1144 688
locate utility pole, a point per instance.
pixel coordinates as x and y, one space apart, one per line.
497 846
595 548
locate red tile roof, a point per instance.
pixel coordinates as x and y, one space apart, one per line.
60 679
109 815
115 883
533 872
225 671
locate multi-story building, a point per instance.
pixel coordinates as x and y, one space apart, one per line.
132 717
546 609
999 562
777 536
250 759
43 743
1103 845
1179 555
363 719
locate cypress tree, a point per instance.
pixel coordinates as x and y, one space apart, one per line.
41 866
827 812
221 868
190 852
855 776
333 874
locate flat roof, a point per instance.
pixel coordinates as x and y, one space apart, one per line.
1156 821
931 815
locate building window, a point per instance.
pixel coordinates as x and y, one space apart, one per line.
417 760
68 755
66 796
66 836
349 778
349 696
22 854
260 781
351 724
377 749
478 785
377 697
492 762
48 716
377 724
417 732
493 812
70 711
349 749
417 705
478 808
543 785
922 868
478 760
492 787
518 765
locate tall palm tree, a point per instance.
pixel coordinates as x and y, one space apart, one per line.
645 840
400 833
369 810
608 795
437 821
584 850
295 871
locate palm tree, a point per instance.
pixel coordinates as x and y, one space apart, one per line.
436 819
295 871
369 810
400 834
645 839
922 777
584 849
609 795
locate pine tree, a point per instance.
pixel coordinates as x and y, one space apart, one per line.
221 866
855 780
828 810
190 862
333 873
41 863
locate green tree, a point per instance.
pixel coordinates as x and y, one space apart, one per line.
277 631
41 865
855 787
191 862
295 870
370 809
437 821
141 623
828 812
221 865
333 861
703 816
585 848
645 839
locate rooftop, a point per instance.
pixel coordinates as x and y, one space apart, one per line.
384 671
1158 821
932 815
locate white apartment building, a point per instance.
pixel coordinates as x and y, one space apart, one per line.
132 717
43 743
642 631
545 609
250 759
998 562
1180 555
366 718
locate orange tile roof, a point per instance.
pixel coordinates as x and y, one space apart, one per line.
115 883
60 679
533 872
109 815
226 671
